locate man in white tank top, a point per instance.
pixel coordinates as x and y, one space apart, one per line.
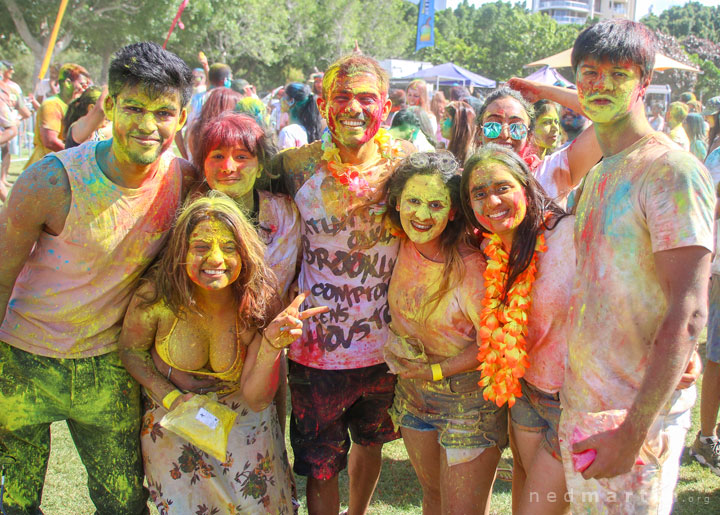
79 229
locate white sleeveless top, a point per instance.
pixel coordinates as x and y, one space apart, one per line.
71 295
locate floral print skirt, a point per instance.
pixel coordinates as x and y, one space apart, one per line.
254 478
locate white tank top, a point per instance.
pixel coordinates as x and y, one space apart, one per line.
71 295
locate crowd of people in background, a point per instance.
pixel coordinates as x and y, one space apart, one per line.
523 267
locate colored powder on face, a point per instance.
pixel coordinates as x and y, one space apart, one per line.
425 206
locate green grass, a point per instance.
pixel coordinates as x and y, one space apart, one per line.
398 491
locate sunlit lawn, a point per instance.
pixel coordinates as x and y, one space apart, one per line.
398 491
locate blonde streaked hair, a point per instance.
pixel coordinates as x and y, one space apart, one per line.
255 289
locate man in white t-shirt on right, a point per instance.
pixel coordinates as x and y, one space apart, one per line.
643 238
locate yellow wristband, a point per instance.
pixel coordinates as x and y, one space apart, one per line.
170 398
436 371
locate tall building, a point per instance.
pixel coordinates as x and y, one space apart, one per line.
577 11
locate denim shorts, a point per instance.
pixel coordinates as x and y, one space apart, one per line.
712 347
538 411
454 407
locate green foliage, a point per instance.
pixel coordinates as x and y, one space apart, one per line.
693 18
496 39
708 84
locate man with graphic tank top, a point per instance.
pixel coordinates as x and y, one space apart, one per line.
79 229
338 379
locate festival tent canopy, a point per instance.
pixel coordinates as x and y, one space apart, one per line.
450 74
662 62
548 75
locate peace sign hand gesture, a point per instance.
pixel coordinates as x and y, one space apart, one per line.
287 326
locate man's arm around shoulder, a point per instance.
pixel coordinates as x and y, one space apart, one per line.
39 201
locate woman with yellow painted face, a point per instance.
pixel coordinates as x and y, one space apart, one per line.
547 134
206 308
453 436
233 151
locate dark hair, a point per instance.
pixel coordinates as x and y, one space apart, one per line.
304 109
458 93
463 129
79 108
695 126
441 164
616 41
230 129
539 206
397 97
217 74
405 117
505 92
543 106
155 70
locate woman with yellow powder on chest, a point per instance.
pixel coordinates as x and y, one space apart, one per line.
203 309
453 436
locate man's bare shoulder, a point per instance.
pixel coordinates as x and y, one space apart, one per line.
42 193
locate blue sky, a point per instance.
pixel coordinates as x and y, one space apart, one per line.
642 7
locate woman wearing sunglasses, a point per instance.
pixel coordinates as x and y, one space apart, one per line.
507 119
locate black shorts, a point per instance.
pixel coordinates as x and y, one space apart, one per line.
328 403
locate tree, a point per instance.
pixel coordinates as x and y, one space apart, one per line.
496 39
690 19
34 20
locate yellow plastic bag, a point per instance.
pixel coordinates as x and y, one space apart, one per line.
203 422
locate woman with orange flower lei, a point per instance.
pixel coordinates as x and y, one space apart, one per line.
528 243
453 436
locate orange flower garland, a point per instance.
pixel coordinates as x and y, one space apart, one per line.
502 351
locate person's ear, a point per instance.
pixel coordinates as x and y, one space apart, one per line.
109 107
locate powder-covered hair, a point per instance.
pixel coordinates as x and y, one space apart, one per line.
154 69
71 71
677 112
539 205
230 130
255 289
218 73
352 64
443 165
616 40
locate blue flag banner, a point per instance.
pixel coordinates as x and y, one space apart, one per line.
425 24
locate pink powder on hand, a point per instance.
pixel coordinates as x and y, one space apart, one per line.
581 460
